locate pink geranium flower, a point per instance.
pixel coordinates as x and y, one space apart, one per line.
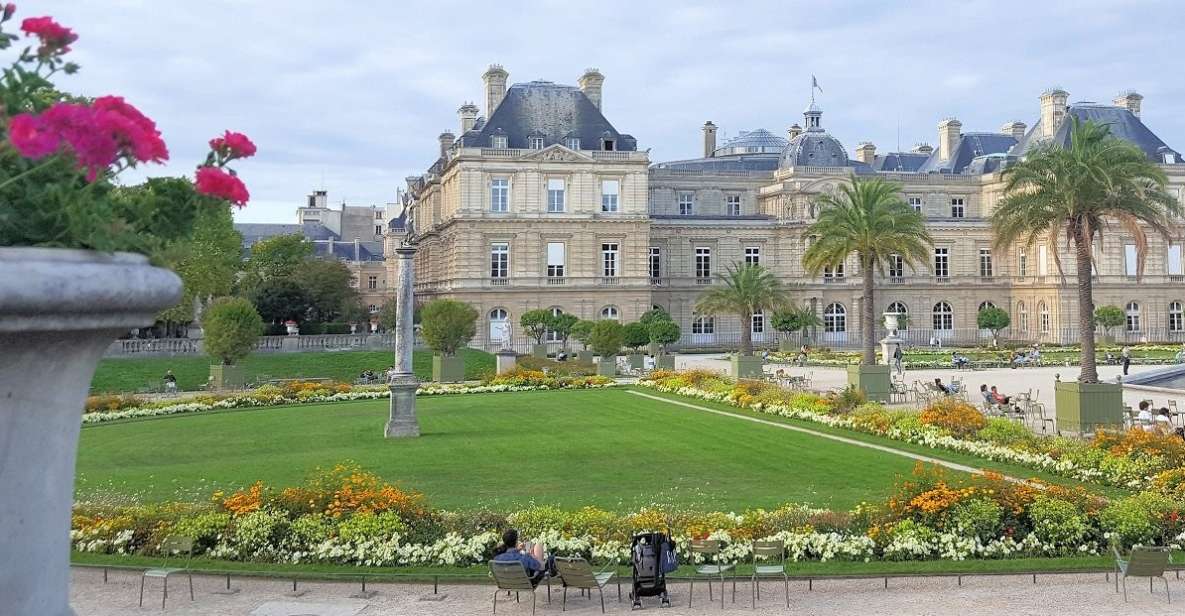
215 182
233 145
55 38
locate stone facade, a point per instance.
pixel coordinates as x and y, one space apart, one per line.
677 224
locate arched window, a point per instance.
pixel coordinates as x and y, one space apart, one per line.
1176 317
1022 317
1133 317
835 318
901 309
943 317
1043 320
551 336
610 312
703 325
499 326
983 305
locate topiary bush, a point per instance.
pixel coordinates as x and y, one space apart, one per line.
606 338
232 327
635 335
447 325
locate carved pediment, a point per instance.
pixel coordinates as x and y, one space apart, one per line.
558 153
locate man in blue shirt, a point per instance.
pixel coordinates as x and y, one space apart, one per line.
531 557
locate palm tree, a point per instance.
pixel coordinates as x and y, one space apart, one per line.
867 218
747 290
1074 192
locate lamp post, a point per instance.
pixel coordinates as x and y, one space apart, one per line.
403 383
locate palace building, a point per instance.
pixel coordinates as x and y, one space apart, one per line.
542 203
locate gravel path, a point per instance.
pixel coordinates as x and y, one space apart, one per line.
1079 594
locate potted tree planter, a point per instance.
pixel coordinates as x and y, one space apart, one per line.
447 326
662 333
580 331
605 339
232 329
537 323
636 335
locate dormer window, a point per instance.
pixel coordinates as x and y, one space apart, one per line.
608 145
572 143
498 142
535 143
1169 158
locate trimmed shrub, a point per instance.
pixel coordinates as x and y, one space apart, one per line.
448 325
231 327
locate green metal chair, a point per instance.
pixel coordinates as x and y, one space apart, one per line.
768 552
170 546
715 570
578 573
1149 562
510 576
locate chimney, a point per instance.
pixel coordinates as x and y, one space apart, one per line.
446 141
468 114
1129 100
922 148
1053 110
709 139
330 245
866 153
357 252
1015 128
948 137
590 83
794 131
495 79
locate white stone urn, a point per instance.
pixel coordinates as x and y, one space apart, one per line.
292 327
59 310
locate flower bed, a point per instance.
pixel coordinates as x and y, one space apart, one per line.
346 515
112 408
1129 460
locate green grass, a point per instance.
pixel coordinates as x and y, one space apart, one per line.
133 374
567 448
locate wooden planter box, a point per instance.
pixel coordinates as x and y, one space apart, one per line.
747 366
872 380
227 377
448 368
1083 408
607 366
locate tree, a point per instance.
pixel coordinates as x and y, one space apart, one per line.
581 332
389 315
635 335
869 219
1074 192
448 325
281 299
664 332
280 256
232 327
654 314
536 323
562 325
795 319
606 337
995 319
746 290
354 312
328 285
1109 317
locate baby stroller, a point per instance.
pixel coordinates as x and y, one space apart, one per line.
653 556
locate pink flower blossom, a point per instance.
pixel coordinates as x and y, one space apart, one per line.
9 9
30 138
215 182
55 38
235 145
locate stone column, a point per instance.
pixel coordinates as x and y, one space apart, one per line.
403 383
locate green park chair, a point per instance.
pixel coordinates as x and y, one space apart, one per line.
578 573
710 548
1149 562
173 546
510 576
765 553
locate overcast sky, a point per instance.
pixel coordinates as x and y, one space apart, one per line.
350 96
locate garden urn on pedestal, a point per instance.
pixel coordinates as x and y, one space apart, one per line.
59 309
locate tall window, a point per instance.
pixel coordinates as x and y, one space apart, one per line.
378 229
1043 320
752 255
835 318
372 282
686 204
1176 322
610 312
572 143
703 325
758 323
499 195
985 262
499 142
499 260
1174 267
609 195
378 214
655 262
896 266
555 195
1133 316
942 262
555 259
732 205
915 203
535 143
1130 259
553 336
499 325
609 260
703 263
1022 263
901 309
1022 317
943 317
831 274
1042 260
956 207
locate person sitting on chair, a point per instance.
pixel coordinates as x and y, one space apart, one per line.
940 388
1162 423
958 361
999 398
988 399
170 382
531 555
1144 417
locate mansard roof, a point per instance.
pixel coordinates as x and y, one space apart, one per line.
549 110
752 162
969 147
899 162
1123 124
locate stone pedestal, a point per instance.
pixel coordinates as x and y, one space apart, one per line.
290 344
889 346
403 421
505 361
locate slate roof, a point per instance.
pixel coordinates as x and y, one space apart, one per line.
253 232
344 251
1122 122
549 110
899 162
815 148
749 162
969 147
397 223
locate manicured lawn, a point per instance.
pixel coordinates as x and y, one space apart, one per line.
133 374
566 448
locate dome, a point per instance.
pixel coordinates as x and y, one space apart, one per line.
815 148
758 141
